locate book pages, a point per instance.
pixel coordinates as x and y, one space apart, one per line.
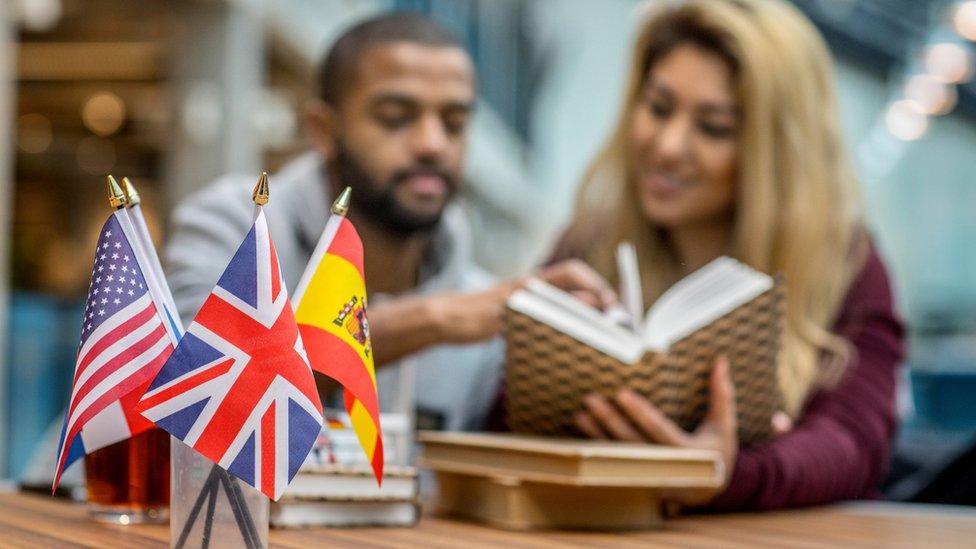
631 295
693 302
561 310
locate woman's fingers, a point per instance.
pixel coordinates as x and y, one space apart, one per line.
610 419
782 423
721 410
651 421
588 425
635 418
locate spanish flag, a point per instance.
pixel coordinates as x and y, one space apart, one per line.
331 313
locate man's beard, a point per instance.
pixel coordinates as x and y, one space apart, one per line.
378 202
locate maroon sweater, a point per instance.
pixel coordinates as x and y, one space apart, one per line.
839 447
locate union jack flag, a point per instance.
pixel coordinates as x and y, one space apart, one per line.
238 387
123 345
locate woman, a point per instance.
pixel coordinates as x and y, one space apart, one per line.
729 144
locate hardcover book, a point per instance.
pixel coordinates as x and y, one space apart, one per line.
559 349
523 482
570 462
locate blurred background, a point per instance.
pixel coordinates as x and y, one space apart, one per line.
173 93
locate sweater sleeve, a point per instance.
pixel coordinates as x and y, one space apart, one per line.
839 447
205 231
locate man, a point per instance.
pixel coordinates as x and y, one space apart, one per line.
396 95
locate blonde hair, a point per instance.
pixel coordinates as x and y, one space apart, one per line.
797 209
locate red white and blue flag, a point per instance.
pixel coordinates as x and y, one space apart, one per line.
238 388
124 343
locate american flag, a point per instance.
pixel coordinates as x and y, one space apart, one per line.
123 345
238 387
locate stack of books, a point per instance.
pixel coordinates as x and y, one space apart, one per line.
336 495
522 482
336 487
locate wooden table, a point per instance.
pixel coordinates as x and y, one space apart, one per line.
39 521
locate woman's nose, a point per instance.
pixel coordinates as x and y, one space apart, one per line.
673 139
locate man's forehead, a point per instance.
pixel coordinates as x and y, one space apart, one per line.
414 67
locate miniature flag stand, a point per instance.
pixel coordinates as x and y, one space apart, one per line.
219 479
234 390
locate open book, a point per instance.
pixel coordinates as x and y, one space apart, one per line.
560 349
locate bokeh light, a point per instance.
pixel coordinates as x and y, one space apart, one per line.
949 62
103 113
932 95
964 19
34 133
906 120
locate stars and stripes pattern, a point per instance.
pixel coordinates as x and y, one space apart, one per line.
122 347
238 388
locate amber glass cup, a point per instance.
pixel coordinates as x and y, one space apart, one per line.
128 482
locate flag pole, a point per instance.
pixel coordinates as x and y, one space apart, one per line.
339 210
133 205
118 201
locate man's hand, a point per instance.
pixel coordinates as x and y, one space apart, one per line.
470 317
402 326
635 419
465 318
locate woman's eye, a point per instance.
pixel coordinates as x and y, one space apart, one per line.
716 130
659 109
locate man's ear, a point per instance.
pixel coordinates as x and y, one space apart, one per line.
321 123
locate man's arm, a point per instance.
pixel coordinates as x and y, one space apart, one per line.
403 326
205 230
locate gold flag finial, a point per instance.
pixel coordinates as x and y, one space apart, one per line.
115 195
131 194
261 191
341 204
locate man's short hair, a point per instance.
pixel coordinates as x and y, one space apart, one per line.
338 69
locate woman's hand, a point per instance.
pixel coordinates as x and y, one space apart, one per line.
641 421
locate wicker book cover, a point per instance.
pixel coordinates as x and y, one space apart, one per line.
558 351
